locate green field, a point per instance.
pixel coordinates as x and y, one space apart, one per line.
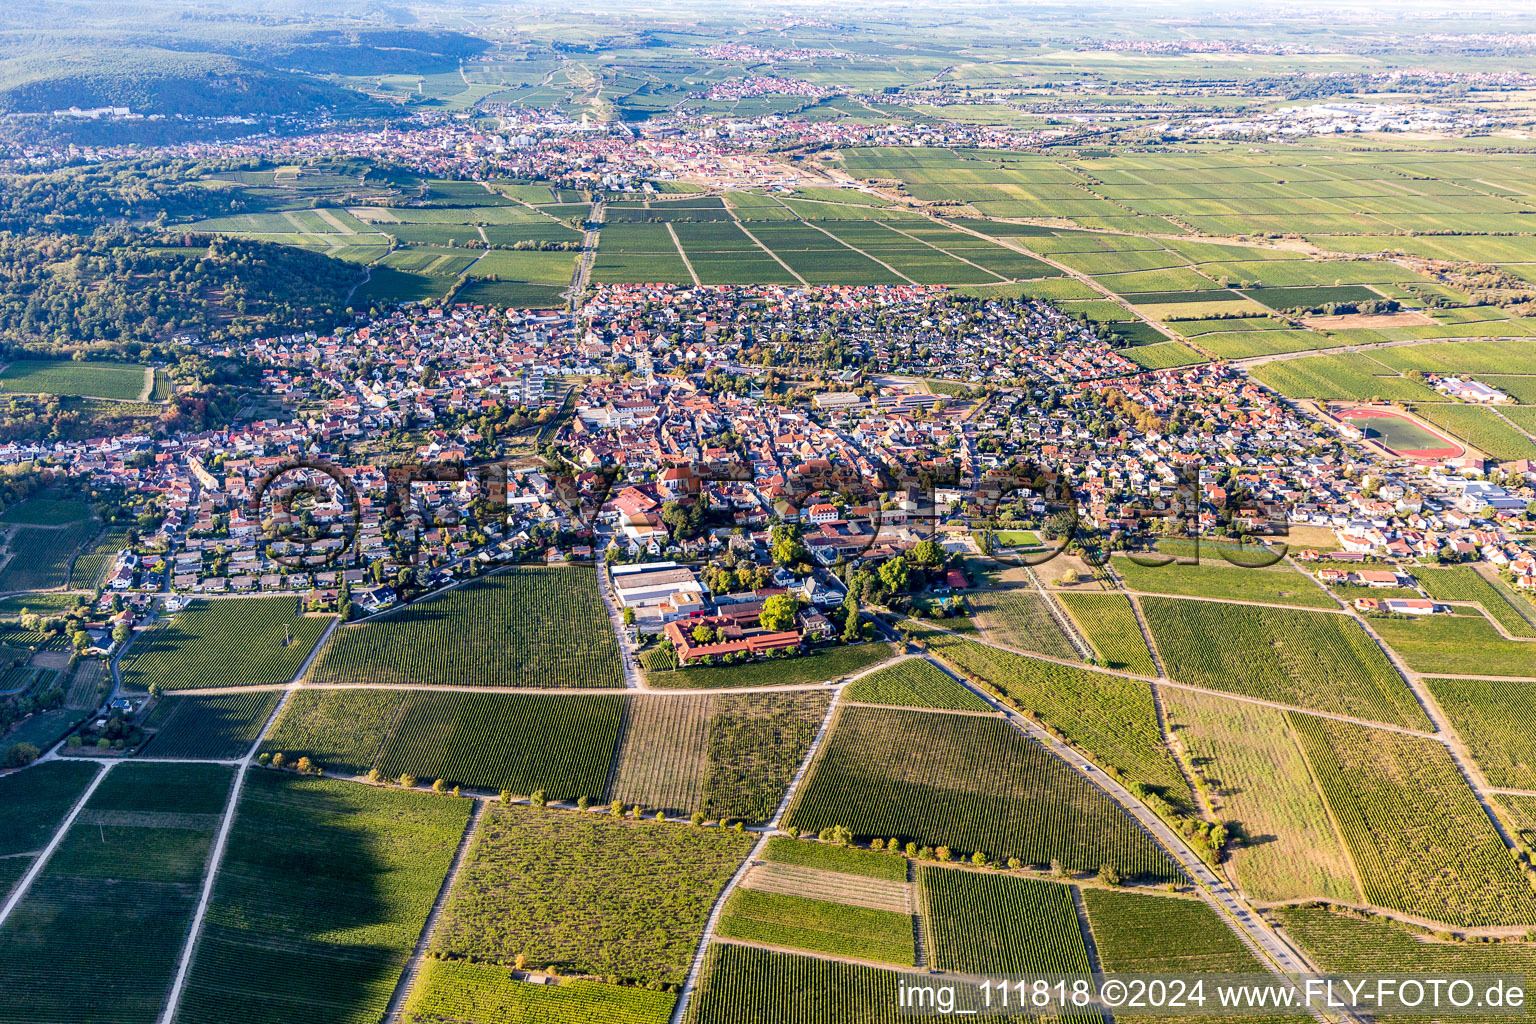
814 666
743 985
36 801
1284 846
238 641
969 783
1020 619
464 992
995 924
1111 717
846 860
1465 645
779 919
1350 945
915 683
587 893
487 741
524 627
117 895
1418 838
344 874
119 382
47 512
40 555
1493 718
1212 577
222 727
1306 659
1464 583
1109 623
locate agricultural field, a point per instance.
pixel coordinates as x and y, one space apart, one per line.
39 511
1214 577
978 923
663 752
818 665
1284 846
1111 717
846 860
913 683
1492 717
1109 624
36 801
757 742
1465 583
1131 932
465 992
969 783
587 893
118 382
1351 376
817 925
238 641
744 985
1419 840
1481 428
495 741
222 727
90 567
1019 619
523 627
1348 944
341 730
40 555
117 895
728 755
344 873
562 745
1306 659
1463 645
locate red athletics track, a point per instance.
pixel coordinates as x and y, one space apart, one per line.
1405 425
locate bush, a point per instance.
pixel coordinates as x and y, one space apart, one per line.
374 775
407 781
263 759
538 799
278 760
1109 875
440 785
21 754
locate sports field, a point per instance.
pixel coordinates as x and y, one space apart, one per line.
1402 435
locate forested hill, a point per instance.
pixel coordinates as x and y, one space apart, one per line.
132 192
61 291
162 81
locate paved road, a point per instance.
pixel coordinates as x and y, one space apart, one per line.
680 1009
41 860
1165 681
1229 902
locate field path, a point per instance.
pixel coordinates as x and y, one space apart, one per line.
149 384
861 252
680 1009
1009 242
215 860
681 254
1446 733
408 976
41 861
1165 681
1228 901
759 243
955 255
